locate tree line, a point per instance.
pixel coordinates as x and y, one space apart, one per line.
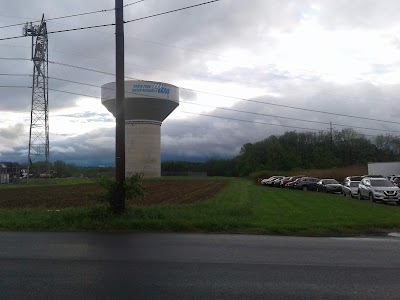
290 151
302 150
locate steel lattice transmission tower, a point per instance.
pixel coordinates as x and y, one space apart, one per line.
39 128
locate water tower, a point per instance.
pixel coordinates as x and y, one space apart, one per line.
146 105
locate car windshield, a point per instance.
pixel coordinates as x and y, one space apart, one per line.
385 183
354 183
331 181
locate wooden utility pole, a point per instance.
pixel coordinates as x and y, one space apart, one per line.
119 205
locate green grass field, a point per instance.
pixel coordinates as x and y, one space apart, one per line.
241 207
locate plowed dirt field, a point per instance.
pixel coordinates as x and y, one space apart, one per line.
156 192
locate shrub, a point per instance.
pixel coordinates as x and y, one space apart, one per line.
132 186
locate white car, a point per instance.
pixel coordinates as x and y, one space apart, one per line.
350 188
268 181
378 189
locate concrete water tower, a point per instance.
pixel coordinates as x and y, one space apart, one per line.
146 105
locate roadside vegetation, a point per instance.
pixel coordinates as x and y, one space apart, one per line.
240 206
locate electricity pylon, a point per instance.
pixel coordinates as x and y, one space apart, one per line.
39 129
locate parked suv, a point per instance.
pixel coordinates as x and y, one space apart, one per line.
378 189
306 183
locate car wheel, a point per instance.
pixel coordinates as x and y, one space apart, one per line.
305 188
371 197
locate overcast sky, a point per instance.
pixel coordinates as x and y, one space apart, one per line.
337 56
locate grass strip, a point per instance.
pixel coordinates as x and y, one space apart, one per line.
241 207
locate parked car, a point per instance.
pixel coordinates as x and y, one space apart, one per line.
329 186
283 181
350 188
392 177
373 176
291 183
306 183
378 189
353 178
270 179
275 181
396 181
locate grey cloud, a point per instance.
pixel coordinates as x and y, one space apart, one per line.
187 95
210 29
373 14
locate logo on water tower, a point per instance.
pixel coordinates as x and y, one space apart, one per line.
161 89
158 88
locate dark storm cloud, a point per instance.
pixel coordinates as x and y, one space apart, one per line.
206 136
95 147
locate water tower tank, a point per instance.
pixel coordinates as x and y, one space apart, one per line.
146 105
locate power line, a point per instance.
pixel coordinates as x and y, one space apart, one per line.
196 75
14 58
257 122
112 24
3 74
132 3
73 15
204 105
291 107
15 86
234 119
286 118
171 11
222 108
247 100
81 68
80 28
72 93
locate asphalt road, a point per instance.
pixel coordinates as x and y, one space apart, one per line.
196 266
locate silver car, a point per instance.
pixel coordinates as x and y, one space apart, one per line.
350 188
378 189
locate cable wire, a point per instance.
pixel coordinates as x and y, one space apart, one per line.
171 11
129 4
224 108
72 93
248 100
112 24
70 16
14 58
15 86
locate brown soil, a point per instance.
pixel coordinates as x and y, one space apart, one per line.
156 192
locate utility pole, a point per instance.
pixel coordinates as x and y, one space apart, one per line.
331 130
39 128
119 205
